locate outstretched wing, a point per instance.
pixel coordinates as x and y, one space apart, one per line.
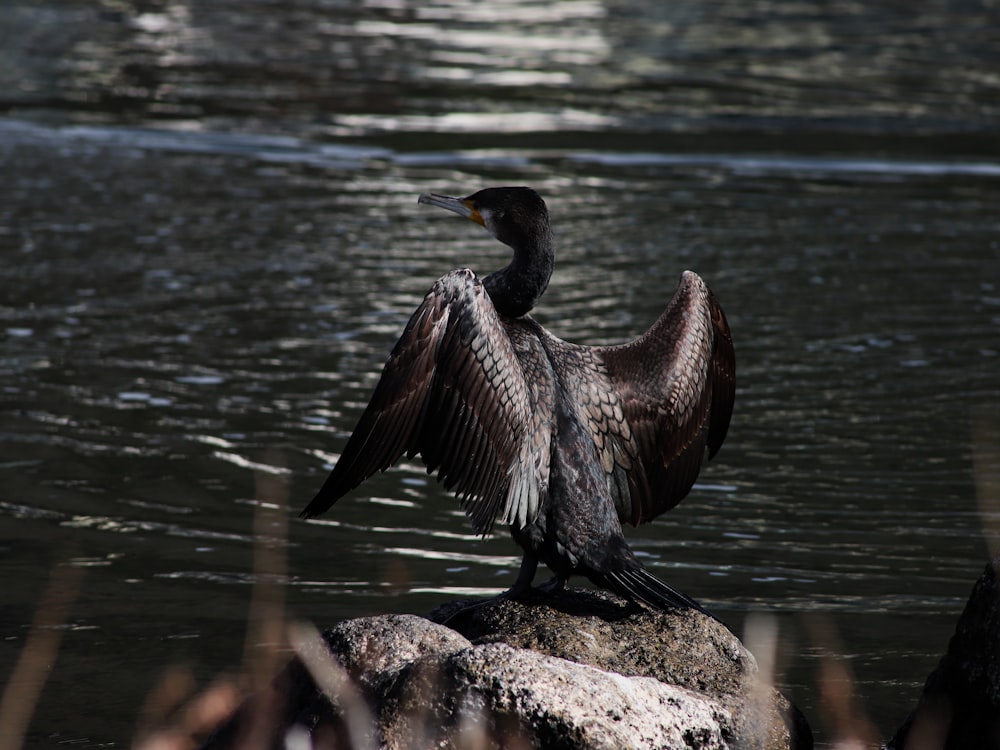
453 390
675 387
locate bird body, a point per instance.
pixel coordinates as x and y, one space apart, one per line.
562 442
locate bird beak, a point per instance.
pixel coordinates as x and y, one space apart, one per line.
461 206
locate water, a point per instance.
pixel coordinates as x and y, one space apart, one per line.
211 240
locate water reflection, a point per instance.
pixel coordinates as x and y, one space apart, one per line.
360 68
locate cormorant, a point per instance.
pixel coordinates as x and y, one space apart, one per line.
561 442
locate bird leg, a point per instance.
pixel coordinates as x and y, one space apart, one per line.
554 585
529 564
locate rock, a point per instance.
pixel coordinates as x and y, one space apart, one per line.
960 704
682 649
548 702
578 669
372 648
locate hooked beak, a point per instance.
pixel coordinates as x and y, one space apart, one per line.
461 206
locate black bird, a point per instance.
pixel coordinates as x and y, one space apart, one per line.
562 442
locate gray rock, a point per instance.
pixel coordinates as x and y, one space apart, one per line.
682 648
372 649
578 669
548 702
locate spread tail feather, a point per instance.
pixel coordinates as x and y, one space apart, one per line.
641 585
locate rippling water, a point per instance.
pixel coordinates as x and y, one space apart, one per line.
211 238
356 67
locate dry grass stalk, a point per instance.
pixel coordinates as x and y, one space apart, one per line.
37 658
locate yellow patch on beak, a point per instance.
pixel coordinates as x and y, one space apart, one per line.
474 214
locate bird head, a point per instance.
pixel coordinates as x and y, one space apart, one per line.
516 216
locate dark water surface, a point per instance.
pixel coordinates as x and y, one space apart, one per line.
210 242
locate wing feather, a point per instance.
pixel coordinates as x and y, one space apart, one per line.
453 391
675 386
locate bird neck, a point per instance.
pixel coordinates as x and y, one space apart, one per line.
516 288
